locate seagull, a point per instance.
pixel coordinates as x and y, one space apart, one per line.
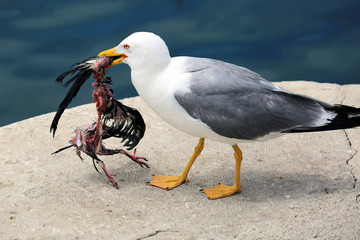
208 98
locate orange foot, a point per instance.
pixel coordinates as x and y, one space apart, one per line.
167 182
221 191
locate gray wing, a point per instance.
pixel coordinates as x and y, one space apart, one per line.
238 103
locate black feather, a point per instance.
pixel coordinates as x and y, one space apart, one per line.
346 117
128 125
84 73
61 149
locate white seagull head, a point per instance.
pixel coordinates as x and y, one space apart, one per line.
140 50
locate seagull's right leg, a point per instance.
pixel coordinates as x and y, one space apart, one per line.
222 190
170 182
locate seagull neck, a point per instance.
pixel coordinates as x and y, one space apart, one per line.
149 69
144 77
147 78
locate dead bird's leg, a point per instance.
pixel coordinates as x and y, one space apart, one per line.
105 151
135 158
102 165
108 175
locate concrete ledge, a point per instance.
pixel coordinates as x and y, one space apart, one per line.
299 186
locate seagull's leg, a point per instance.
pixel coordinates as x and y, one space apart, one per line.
221 190
170 182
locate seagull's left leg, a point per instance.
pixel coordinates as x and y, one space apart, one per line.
170 182
221 190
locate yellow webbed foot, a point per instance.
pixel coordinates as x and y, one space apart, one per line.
221 191
167 182
170 182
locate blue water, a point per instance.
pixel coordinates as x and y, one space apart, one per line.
280 39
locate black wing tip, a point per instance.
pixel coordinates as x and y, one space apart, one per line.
346 117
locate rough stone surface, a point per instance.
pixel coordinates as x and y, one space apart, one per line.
298 186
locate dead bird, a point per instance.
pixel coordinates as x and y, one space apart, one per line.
114 118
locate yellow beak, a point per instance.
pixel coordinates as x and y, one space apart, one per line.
118 57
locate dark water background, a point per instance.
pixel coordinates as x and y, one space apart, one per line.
315 40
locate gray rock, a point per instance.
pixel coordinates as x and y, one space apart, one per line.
298 186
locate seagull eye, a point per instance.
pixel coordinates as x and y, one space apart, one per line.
126 46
